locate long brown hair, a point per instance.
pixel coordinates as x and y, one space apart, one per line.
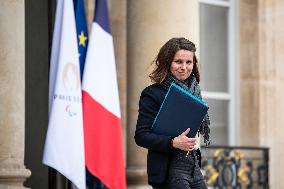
166 55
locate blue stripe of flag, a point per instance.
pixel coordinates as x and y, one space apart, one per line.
101 15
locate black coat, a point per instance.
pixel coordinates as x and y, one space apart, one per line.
159 148
158 145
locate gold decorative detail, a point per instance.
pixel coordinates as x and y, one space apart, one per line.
217 153
213 175
242 175
238 155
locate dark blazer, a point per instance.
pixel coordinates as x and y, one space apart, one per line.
158 145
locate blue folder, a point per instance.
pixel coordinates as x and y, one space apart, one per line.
180 110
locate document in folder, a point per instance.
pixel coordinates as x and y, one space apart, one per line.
180 110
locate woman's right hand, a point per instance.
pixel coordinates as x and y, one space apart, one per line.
184 143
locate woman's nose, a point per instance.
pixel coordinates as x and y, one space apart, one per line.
183 65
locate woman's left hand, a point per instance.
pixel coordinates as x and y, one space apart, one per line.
184 143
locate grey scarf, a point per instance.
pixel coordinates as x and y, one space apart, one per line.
191 85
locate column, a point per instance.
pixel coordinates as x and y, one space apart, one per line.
249 66
271 85
149 25
261 59
12 95
117 13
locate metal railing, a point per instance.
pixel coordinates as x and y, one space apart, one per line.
236 167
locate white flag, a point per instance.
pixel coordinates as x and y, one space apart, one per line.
64 145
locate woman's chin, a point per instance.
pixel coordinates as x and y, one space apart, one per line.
182 78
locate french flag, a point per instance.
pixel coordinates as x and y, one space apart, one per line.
101 109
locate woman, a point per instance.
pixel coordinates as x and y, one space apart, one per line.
168 165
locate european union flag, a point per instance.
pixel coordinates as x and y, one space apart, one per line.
82 32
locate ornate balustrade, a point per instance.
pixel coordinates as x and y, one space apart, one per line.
236 167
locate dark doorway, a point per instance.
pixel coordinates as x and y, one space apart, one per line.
38 28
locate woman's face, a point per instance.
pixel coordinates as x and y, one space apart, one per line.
182 64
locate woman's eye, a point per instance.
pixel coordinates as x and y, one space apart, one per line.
178 61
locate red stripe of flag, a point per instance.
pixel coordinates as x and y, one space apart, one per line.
103 145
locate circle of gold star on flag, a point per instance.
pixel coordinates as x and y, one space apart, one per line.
82 39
